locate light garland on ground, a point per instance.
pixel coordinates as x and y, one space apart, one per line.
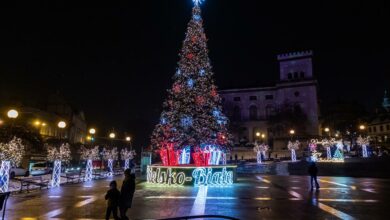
11 154
58 155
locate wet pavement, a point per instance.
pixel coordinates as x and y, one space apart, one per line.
253 197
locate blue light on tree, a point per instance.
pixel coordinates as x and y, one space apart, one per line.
197 17
190 83
216 113
178 72
186 121
163 121
198 2
202 72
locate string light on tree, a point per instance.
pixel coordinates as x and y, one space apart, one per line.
57 155
293 146
89 154
363 142
110 155
127 155
11 155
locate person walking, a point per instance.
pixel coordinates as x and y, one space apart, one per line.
127 193
313 170
112 197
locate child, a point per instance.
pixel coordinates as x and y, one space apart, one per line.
112 198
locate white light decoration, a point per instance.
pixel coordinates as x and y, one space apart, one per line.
110 155
11 155
260 150
215 154
127 155
327 144
293 146
363 142
348 144
185 155
58 155
200 176
314 157
89 155
198 2
4 175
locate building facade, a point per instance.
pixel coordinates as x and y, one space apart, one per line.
255 112
379 125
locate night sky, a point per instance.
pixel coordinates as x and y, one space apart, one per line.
114 60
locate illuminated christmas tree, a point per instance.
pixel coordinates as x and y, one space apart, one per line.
192 115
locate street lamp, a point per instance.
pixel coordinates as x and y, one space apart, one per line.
292 132
12 114
362 127
326 130
92 131
257 134
112 135
61 124
262 136
128 139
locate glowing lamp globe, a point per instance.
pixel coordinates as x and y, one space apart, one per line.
112 135
128 138
12 113
92 131
61 124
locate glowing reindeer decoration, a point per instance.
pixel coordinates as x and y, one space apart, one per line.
363 142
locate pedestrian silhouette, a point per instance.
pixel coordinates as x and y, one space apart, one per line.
313 170
112 197
127 193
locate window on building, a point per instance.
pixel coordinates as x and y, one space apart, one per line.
252 98
269 111
296 94
374 129
381 128
369 129
269 97
296 75
302 74
253 113
388 127
236 113
237 99
289 75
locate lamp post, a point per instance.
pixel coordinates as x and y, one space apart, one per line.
327 130
292 132
12 114
92 132
128 139
62 126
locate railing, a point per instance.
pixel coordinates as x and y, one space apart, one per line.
200 217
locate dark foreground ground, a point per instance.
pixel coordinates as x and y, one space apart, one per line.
253 197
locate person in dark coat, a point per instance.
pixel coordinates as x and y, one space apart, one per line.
313 170
112 197
127 193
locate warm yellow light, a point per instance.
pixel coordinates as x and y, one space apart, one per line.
362 127
37 123
89 138
327 129
43 124
262 135
12 113
292 131
128 138
112 135
1 122
337 135
257 134
92 131
61 124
